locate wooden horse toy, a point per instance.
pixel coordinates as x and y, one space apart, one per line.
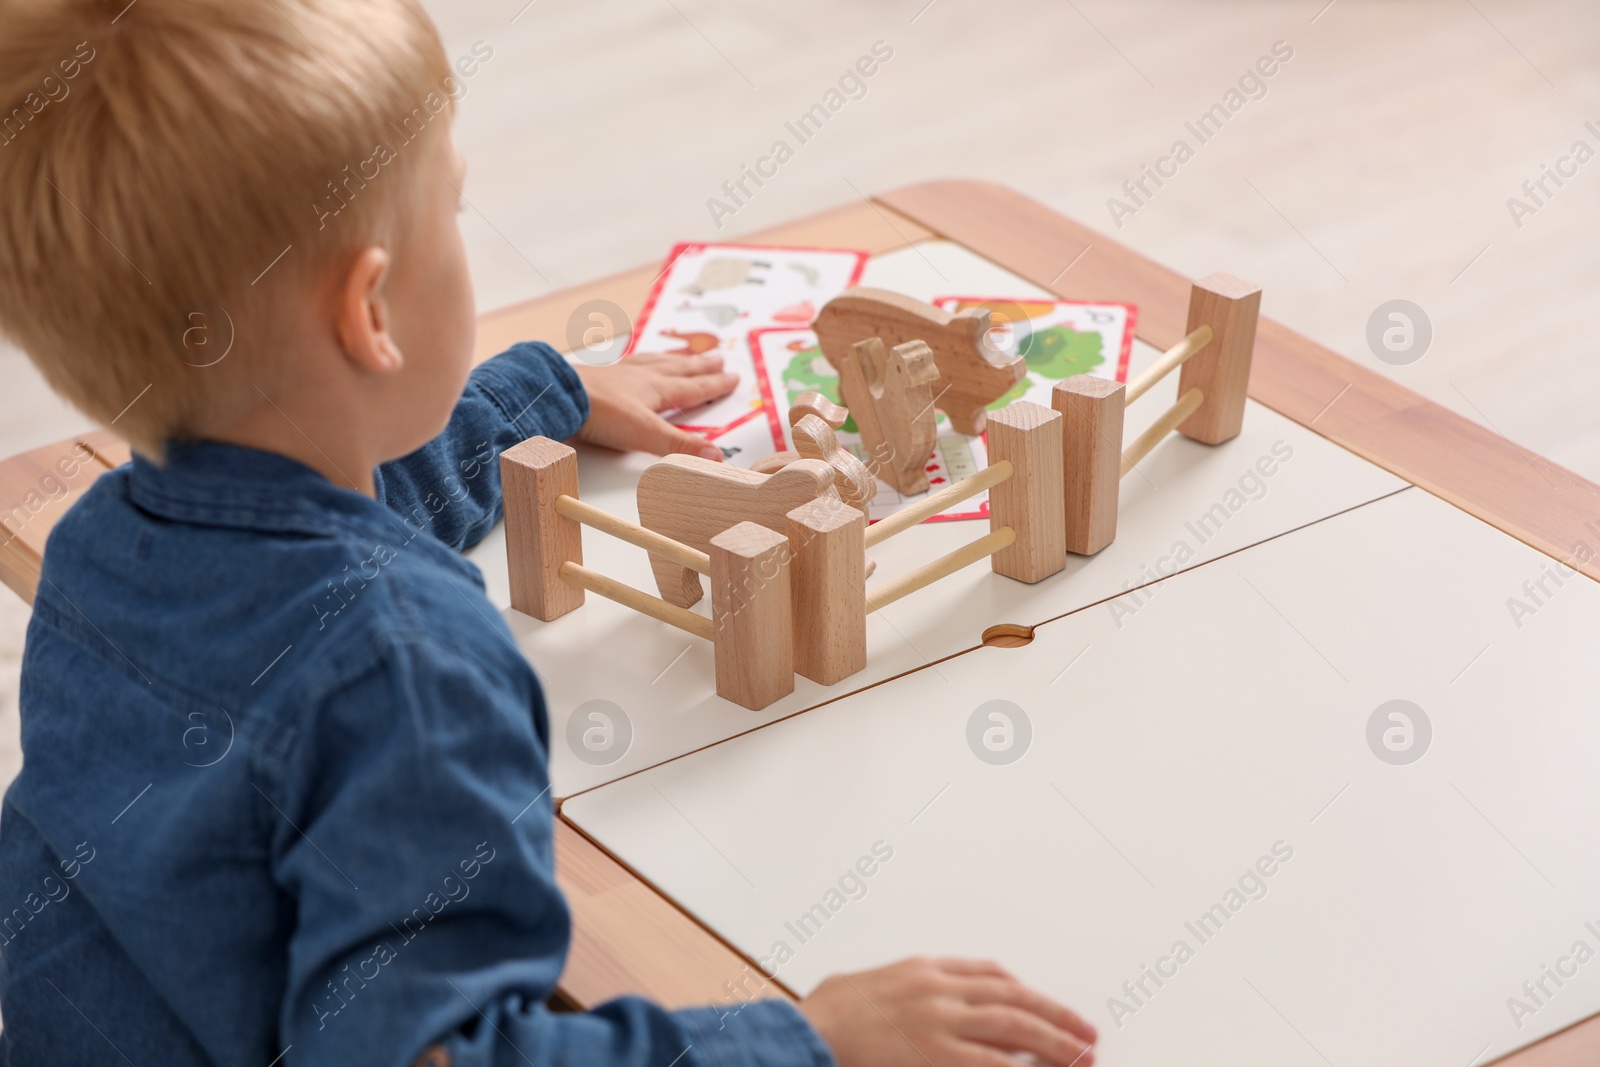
975 371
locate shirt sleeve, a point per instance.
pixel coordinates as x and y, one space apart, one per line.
412 836
450 487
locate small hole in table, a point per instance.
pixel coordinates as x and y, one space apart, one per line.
1007 635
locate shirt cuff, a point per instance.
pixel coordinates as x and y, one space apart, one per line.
760 1033
536 389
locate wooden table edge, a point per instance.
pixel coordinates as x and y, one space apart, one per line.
629 936
28 482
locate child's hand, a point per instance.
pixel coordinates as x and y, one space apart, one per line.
944 1013
627 399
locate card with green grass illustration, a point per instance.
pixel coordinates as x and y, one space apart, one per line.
1056 339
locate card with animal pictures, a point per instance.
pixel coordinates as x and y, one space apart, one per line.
1056 339
709 297
789 362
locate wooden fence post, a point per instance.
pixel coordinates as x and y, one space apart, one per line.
828 581
1220 370
538 539
1031 501
753 615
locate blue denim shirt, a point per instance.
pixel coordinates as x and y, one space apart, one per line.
285 789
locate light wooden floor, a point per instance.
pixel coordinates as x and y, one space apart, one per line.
1377 166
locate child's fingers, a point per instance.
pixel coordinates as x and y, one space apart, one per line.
686 366
685 393
1016 1030
665 363
981 1056
1009 992
640 359
971 968
663 438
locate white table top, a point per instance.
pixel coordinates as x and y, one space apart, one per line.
662 679
1229 713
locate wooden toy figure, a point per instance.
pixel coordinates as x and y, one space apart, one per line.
691 500
891 396
975 371
812 420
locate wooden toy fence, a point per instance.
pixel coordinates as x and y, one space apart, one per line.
794 600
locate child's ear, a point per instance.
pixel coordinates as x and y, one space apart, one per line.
363 315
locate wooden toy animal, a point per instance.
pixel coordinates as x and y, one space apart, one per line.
815 439
692 500
891 396
811 403
974 370
693 343
725 272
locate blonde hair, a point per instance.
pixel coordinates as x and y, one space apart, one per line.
172 172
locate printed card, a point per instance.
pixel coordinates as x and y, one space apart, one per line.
708 299
1056 338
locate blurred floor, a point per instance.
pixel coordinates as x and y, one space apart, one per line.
1377 165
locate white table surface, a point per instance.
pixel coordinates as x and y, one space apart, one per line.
1230 712
662 679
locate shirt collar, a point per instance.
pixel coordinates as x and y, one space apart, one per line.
211 483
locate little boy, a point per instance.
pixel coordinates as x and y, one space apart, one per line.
285 795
